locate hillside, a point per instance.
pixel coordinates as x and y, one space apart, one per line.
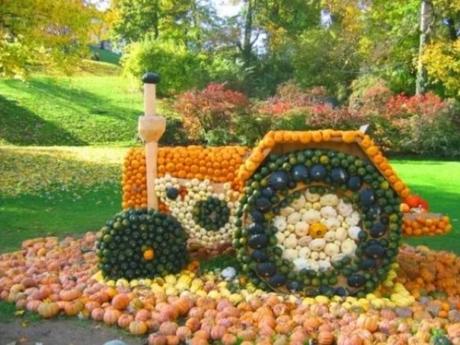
95 107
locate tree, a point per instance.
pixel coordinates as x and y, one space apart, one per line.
42 32
426 24
186 21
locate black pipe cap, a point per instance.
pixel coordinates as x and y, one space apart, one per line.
151 78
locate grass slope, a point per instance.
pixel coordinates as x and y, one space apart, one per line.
81 110
80 205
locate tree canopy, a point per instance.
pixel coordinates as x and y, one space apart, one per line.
328 43
45 32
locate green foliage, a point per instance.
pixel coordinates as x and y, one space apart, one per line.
104 55
186 21
180 69
43 33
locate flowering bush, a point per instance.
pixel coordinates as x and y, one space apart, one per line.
211 109
424 124
297 109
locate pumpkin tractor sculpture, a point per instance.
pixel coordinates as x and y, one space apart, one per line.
316 212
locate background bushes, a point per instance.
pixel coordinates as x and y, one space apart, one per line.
422 125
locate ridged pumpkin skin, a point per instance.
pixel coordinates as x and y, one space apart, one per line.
48 309
137 327
121 301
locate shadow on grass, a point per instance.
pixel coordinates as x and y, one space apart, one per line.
31 129
58 214
71 97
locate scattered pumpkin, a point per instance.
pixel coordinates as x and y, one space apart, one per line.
48 309
137 327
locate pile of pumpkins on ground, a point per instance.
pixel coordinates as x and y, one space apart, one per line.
418 304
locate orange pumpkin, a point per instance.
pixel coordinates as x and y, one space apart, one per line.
143 315
69 295
156 339
121 301
137 327
97 314
149 254
124 320
73 308
48 309
111 316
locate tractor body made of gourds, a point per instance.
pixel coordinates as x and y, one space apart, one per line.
319 212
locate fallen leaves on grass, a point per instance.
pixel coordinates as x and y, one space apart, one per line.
39 170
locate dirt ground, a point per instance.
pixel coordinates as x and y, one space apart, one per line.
61 332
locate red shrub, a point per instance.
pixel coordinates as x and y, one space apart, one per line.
210 108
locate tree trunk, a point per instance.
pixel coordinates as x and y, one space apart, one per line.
426 22
247 33
156 20
452 30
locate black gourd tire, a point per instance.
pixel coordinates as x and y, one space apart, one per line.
278 182
125 238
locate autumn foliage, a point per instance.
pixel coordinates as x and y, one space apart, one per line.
210 108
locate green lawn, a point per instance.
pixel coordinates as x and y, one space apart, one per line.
83 110
77 203
439 183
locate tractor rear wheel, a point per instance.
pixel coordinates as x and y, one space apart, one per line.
318 221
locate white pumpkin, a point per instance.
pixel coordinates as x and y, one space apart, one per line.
301 228
348 247
316 205
312 197
329 200
344 208
353 219
341 234
313 265
290 254
331 223
317 244
329 236
280 237
353 232
323 265
304 241
304 252
280 222
294 218
311 216
300 264
286 211
328 212
299 203
290 242
314 255
331 249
